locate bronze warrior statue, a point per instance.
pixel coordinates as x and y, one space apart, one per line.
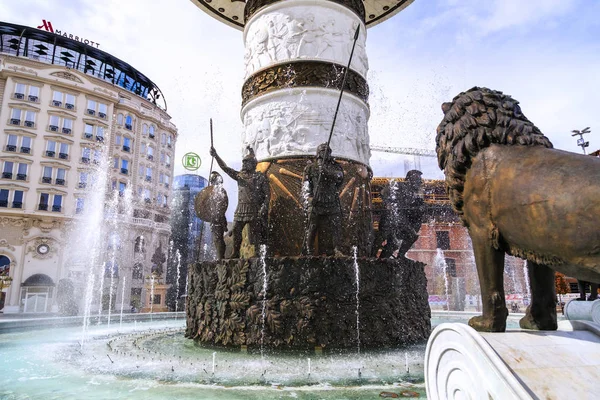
593 290
403 215
253 200
323 180
210 205
518 195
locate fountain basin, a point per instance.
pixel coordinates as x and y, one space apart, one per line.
310 301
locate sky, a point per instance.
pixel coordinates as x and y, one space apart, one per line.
544 53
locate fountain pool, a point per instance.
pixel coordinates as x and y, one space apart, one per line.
153 360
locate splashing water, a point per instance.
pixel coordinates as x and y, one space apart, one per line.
263 253
101 292
440 262
357 276
151 294
178 257
526 274
122 300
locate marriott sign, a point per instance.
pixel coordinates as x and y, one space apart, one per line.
47 26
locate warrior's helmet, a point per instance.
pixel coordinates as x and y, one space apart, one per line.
249 160
215 178
323 151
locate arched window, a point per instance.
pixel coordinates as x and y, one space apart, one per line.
4 265
36 293
139 245
128 122
144 129
120 119
152 131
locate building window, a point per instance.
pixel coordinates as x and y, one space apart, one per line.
63 151
151 132
12 144
61 176
169 141
9 173
126 144
144 129
148 174
21 117
44 200
443 240
100 134
83 179
451 267
141 171
161 178
128 122
60 99
79 203
102 110
150 153
88 131
122 187
168 161
167 181
47 175
27 92
57 204
17 199
4 197
50 148
163 139
124 166
85 155
147 198
67 126
115 162
118 139
120 119
91 107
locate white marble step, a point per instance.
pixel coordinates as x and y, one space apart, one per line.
461 363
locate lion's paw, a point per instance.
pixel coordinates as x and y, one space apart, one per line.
540 324
485 324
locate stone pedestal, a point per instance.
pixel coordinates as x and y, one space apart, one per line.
158 304
461 363
310 301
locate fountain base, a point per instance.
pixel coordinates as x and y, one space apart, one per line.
310 301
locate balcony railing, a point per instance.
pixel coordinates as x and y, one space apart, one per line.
25 150
56 208
85 160
43 207
70 106
7 175
56 103
46 179
19 96
102 115
21 177
90 111
17 204
30 124
88 135
128 127
148 179
50 153
100 139
124 171
126 148
53 128
60 182
11 147
63 156
33 98
66 131
3 203
150 157
15 121
82 185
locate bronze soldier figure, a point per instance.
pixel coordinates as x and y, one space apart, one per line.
403 215
253 200
211 204
324 178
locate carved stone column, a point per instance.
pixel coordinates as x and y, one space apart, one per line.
296 52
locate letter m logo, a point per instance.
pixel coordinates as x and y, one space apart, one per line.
46 25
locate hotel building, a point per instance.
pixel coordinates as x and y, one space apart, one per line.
65 108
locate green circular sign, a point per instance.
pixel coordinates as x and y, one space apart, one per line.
191 161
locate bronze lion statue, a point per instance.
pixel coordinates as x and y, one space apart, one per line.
518 195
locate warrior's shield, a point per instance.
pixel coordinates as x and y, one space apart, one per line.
211 203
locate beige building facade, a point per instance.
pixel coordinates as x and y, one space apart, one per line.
62 123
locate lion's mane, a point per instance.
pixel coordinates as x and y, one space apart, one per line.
474 120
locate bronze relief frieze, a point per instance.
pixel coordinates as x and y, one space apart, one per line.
304 73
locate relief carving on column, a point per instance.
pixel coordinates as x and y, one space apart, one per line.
293 125
304 73
297 32
252 6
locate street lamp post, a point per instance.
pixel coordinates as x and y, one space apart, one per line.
581 141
